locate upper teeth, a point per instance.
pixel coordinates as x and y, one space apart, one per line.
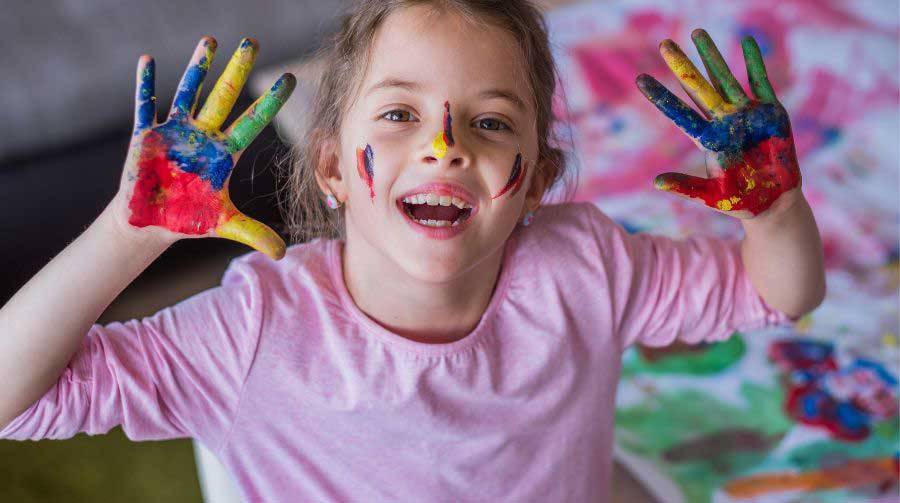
435 200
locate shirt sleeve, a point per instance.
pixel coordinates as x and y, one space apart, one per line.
177 373
663 289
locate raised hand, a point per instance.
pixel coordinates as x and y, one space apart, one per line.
177 173
748 139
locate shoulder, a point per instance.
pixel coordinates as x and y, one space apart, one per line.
304 266
577 226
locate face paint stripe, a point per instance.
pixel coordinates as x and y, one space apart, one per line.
513 176
448 126
365 167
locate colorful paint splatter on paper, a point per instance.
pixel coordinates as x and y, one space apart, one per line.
803 413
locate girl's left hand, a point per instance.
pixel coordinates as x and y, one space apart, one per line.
751 161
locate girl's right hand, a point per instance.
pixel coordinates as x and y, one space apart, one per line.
175 182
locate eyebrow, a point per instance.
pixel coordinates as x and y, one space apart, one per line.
392 82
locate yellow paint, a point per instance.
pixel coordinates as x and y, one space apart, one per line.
727 204
750 184
889 339
693 81
225 93
236 226
439 146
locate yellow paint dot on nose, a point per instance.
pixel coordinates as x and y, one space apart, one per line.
439 146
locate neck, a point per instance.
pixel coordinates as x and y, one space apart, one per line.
417 310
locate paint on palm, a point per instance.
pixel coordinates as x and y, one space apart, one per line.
443 140
365 168
515 178
183 165
750 138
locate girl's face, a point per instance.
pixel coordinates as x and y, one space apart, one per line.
443 102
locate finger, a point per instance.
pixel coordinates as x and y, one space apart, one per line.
691 80
246 127
227 89
145 95
718 70
192 79
253 233
685 117
756 71
707 190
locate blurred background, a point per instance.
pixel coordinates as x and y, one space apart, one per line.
694 424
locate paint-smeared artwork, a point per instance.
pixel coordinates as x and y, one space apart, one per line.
791 414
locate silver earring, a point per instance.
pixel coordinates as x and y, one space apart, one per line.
528 218
331 201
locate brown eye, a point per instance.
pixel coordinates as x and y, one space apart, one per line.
397 116
491 124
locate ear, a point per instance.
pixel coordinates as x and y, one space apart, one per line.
540 178
328 172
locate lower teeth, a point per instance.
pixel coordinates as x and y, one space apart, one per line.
438 223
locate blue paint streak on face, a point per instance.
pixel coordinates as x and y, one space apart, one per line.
190 83
369 161
195 152
739 132
146 105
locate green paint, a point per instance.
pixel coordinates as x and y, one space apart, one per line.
248 126
718 70
663 421
714 359
756 71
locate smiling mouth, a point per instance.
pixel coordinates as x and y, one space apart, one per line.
435 215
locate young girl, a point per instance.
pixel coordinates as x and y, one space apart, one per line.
449 340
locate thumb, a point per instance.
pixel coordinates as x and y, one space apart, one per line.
237 226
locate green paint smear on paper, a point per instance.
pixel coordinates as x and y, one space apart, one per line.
667 420
716 358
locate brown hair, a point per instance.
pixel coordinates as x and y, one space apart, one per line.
345 58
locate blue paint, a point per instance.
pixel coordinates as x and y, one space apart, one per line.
146 107
190 84
685 117
195 152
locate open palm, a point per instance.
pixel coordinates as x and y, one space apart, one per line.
748 139
176 175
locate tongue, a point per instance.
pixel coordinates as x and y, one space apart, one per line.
427 212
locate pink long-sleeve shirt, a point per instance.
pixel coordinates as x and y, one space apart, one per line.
304 397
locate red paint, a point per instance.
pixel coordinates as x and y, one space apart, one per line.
448 127
776 172
515 178
166 196
364 169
